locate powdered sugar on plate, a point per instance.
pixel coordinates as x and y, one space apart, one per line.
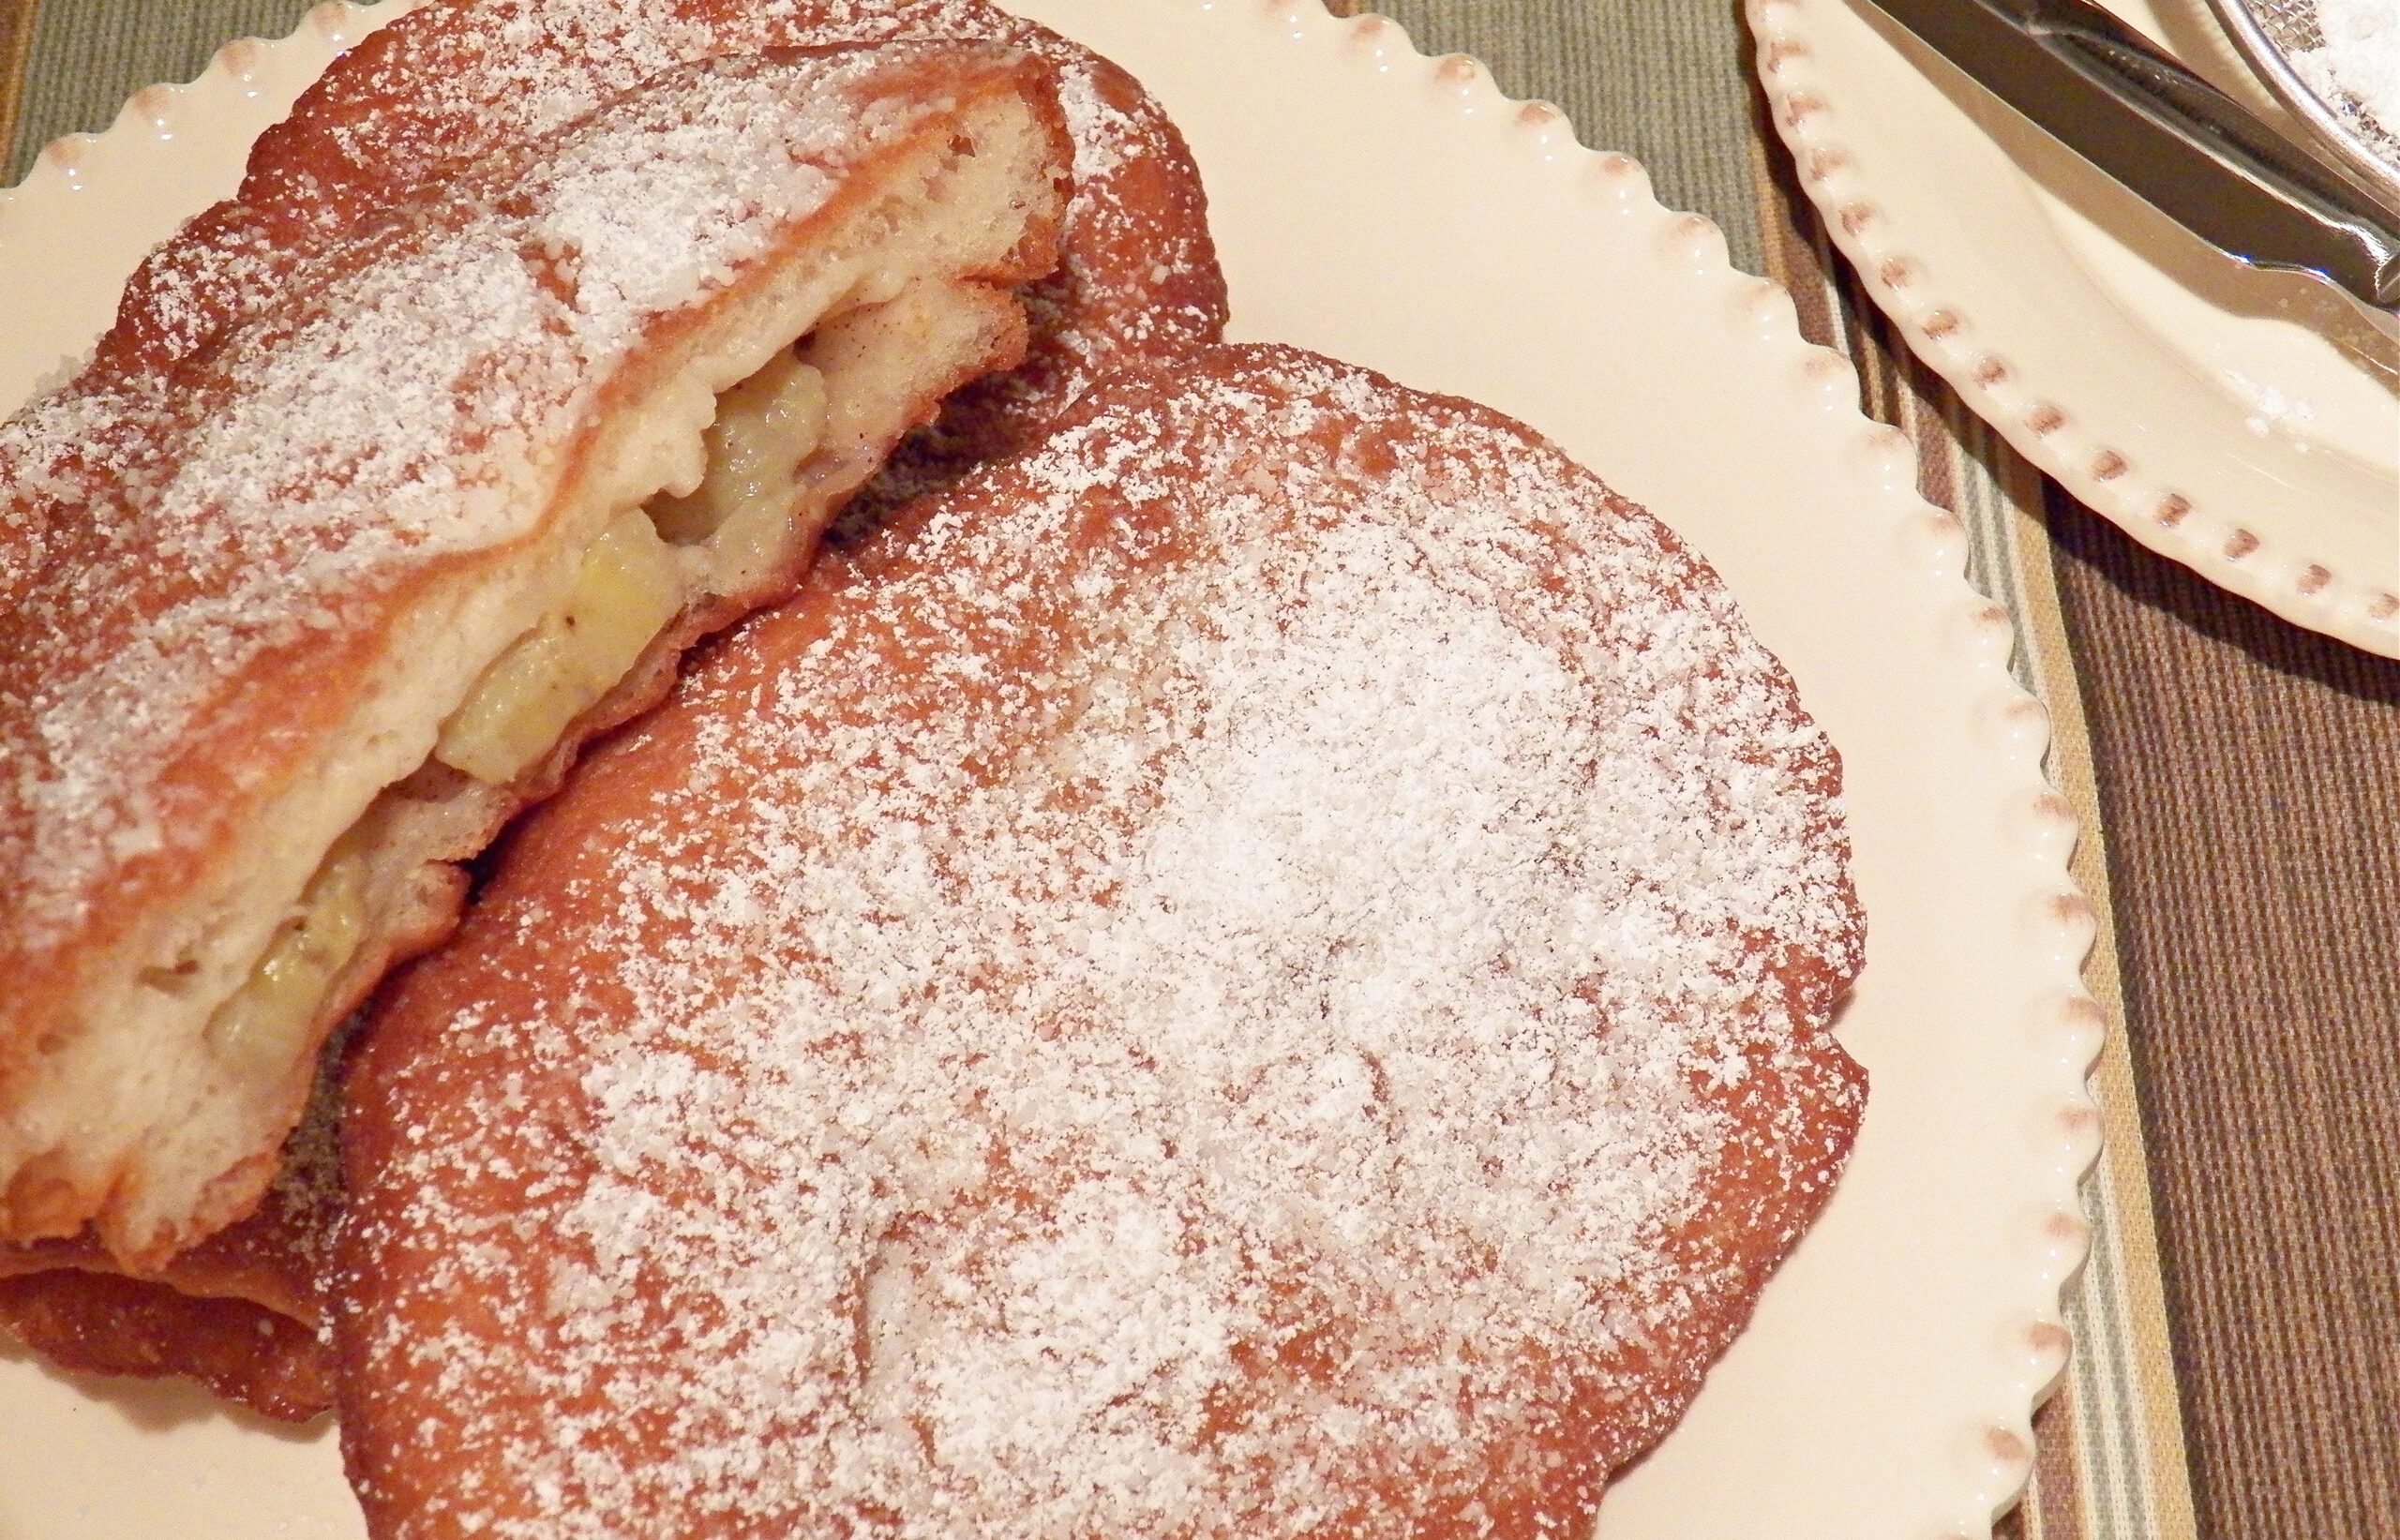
2359 64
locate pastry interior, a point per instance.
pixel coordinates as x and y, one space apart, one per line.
698 494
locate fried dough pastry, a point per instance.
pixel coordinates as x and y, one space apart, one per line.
1262 969
1137 277
106 1323
243 1312
297 623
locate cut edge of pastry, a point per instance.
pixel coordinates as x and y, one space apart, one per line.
200 1029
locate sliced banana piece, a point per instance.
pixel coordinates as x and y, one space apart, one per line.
264 1024
765 427
625 591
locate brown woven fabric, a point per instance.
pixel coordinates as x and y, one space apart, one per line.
1667 82
2250 778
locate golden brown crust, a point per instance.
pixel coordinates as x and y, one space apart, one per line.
457 79
1262 969
241 1313
101 1324
1139 279
267 1258
228 608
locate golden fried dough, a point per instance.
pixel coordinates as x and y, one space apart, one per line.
1260 969
296 625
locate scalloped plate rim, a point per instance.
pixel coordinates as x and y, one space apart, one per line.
1976 716
2320 598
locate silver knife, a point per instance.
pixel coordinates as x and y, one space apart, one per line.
2170 137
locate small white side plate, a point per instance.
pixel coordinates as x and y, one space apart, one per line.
2243 423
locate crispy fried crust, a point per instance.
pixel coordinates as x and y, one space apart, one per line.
1137 278
108 1324
292 553
457 79
243 1312
1262 969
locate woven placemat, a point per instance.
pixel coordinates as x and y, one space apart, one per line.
2239 782
2251 787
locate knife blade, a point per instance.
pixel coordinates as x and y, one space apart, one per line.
2169 138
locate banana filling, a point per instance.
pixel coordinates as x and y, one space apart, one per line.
628 583
268 1019
765 427
625 591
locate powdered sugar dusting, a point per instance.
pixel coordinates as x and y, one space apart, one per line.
1208 994
2357 68
1104 137
417 405
87 467
464 77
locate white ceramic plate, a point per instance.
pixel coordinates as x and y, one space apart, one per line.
2245 423
1396 210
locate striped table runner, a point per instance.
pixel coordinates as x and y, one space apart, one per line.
2237 1366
